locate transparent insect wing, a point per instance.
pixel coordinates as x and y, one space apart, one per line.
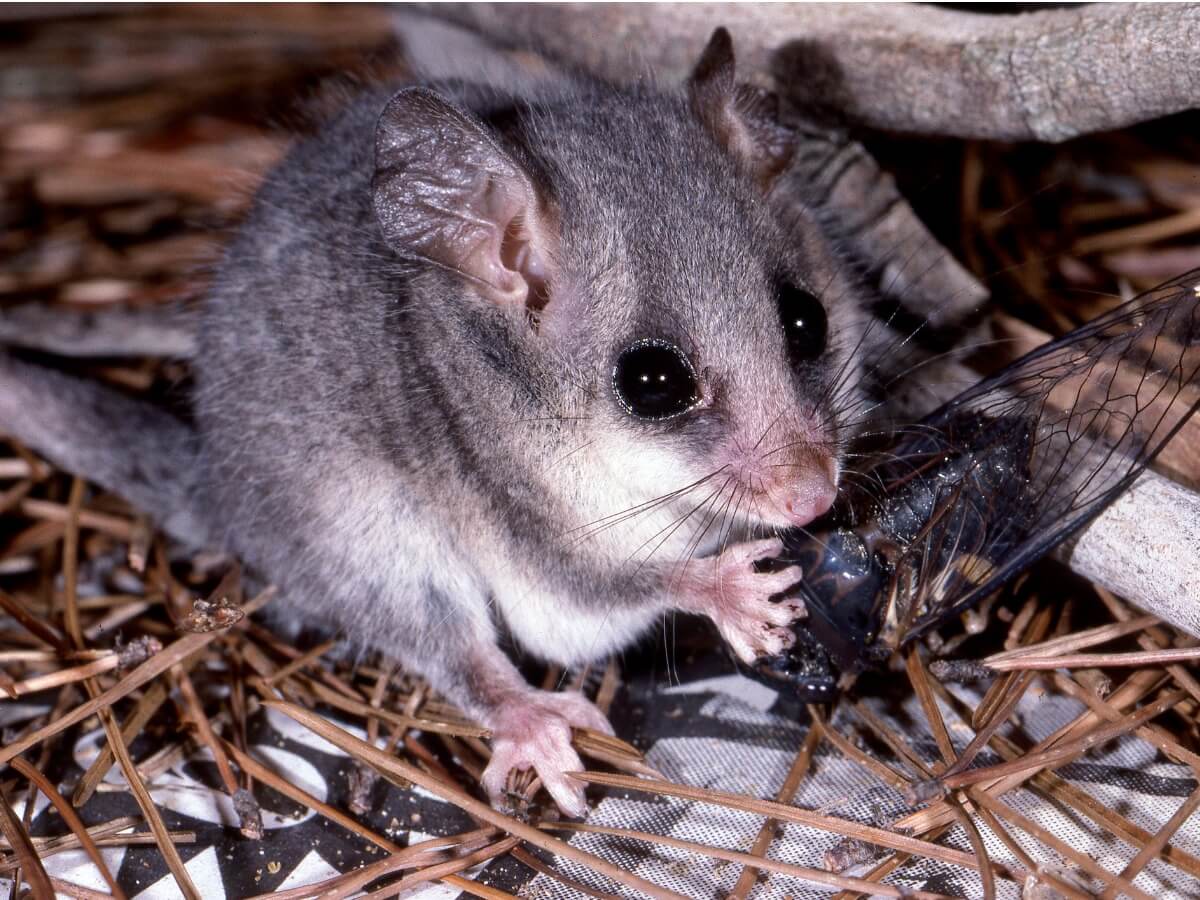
1052 439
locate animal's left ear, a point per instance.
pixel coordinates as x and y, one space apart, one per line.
445 191
743 118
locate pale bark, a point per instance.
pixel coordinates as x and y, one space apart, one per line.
1044 76
1146 548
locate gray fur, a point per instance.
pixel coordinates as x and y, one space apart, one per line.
339 380
426 470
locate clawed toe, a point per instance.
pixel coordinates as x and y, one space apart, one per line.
737 597
752 551
778 582
534 732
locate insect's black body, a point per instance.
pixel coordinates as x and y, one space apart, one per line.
937 496
988 483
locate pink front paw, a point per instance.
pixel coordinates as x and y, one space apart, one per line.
728 590
533 730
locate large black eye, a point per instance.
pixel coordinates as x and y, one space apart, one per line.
804 324
654 380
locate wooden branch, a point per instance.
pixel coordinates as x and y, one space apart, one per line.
861 211
1146 548
1044 76
831 180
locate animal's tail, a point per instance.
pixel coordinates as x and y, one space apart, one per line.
122 444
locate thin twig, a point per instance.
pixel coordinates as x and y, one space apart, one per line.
1096 660
817 876
394 768
151 668
791 783
73 821
31 864
871 834
1153 847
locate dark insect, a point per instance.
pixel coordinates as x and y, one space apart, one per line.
988 483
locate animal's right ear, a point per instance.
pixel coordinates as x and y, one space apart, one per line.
445 191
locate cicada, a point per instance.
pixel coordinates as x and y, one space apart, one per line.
988 483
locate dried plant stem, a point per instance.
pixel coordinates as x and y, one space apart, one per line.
31 864
1038 622
244 804
1153 847
364 876
1152 639
921 768
64 676
165 845
410 857
103 836
1133 689
265 637
1031 866
146 707
107 720
50 656
71 563
889 737
47 511
1142 233
523 856
791 783
1151 734
260 772
1081 639
816 876
878 836
268 777
986 874
39 629
78 892
151 668
12 496
919 678
301 662
883 772
15 468
1052 786
365 710
902 750
609 685
118 617
1061 753
394 768
450 867
619 761
363 778
1016 690
1096 660
73 821
1082 860
427 760
97 832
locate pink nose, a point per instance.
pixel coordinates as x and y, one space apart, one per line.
810 499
